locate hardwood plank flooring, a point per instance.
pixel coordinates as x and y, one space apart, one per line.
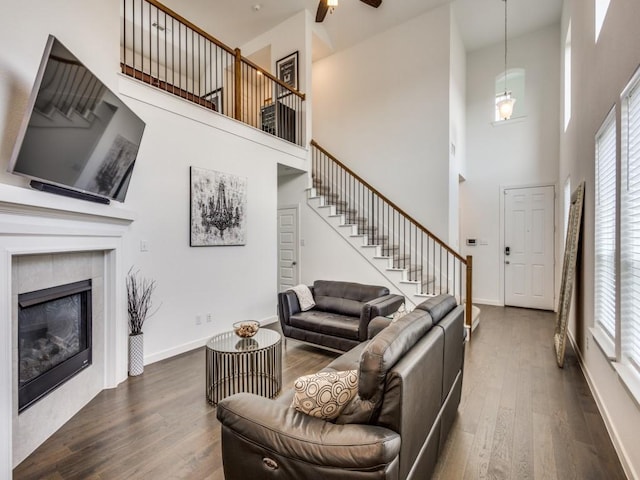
520 417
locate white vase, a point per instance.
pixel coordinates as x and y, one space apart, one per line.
136 354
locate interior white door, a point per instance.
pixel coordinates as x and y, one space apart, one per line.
529 247
288 275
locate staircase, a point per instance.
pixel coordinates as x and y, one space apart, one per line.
415 261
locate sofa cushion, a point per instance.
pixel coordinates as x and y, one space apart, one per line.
341 306
378 356
325 394
326 323
386 348
439 306
346 298
348 360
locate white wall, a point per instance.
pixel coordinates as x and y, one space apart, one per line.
599 74
294 34
197 281
518 152
382 107
324 255
457 129
190 280
231 283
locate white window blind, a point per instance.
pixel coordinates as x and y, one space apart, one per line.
605 227
630 228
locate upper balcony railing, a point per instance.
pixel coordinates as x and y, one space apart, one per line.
163 49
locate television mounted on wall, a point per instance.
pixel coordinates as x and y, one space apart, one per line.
77 137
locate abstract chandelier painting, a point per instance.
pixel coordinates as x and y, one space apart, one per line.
218 208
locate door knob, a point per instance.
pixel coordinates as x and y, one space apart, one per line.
293 263
507 262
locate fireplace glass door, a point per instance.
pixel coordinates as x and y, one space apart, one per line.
54 338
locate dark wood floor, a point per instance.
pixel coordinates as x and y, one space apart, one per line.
520 416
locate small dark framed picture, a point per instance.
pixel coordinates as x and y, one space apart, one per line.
287 70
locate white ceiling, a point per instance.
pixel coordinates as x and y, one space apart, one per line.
481 22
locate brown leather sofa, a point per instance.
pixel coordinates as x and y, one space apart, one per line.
341 316
409 385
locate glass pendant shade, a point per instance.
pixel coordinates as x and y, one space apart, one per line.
505 106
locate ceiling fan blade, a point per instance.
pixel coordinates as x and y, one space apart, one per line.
323 8
372 3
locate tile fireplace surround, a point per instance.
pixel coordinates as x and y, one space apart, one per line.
77 236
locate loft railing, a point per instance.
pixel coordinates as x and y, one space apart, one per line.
163 49
430 263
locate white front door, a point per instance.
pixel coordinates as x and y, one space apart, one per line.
287 248
529 247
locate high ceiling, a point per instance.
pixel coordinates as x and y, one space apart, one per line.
481 22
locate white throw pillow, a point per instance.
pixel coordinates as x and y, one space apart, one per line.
305 298
402 311
325 394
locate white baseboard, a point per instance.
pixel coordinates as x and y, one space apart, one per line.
173 351
484 301
613 433
269 320
185 347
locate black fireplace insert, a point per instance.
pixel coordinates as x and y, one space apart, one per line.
54 338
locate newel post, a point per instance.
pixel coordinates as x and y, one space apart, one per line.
238 86
469 302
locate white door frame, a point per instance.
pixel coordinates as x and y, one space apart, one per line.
295 207
502 225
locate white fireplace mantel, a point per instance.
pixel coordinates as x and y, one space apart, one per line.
33 222
56 212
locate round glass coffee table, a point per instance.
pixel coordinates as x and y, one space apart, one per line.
237 364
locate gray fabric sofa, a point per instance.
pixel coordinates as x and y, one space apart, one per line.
410 379
341 316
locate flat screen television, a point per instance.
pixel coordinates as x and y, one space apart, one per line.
77 138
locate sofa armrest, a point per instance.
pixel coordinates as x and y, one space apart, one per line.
286 433
377 325
287 305
383 306
378 307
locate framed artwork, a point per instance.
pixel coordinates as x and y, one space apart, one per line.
218 208
215 97
571 249
287 70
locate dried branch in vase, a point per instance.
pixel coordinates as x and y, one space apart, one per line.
139 291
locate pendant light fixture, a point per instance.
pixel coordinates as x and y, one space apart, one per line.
332 4
504 101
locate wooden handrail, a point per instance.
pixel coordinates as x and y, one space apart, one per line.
469 301
193 27
273 78
467 262
231 51
393 205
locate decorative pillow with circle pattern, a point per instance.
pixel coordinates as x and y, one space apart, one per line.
325 394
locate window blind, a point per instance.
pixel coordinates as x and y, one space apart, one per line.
630 228
605 227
